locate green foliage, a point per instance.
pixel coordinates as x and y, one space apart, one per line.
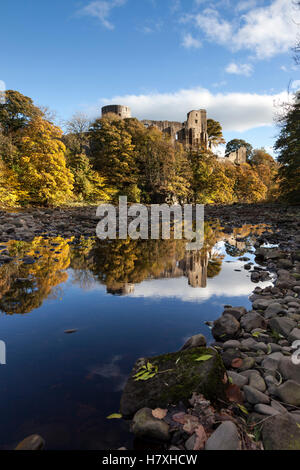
146 372
215 134
288 148
235 144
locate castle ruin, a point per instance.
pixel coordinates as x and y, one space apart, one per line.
192 133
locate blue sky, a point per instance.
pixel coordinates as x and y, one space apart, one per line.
161 57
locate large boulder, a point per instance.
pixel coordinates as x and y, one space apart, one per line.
281 432
225 328
178 375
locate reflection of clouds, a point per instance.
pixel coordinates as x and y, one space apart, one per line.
111 370
227 284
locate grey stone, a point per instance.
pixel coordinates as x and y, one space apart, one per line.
254 396
237 379
226 437
273 310
289 393
232 344
294 335
277 406
256 381
260 347
281 432
226 327
194 342
270 364
145 426
247 344
190 443
236 312
265 410
282 325
261 304
248 363
252 320
289 370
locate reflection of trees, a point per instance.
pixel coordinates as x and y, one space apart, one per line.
118 264
23 287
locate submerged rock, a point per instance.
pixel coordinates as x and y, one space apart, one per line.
146 426
179 374
33 442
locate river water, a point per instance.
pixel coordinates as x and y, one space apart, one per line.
125 299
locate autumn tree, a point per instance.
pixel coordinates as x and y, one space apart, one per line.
215 133
112 154
42 165
17 111
11 192
88 185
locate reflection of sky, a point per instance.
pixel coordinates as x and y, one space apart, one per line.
228 283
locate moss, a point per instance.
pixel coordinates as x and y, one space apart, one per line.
190 378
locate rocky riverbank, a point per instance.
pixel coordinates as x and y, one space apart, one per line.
259 351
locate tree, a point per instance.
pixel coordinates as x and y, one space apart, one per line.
288 148
77 139
88 184
16 111
112 154
235 144
261 157
215 134
10 191
42 166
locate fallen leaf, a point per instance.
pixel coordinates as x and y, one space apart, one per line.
191 424
114 416
179 417
234 394
201 437
205 357
159 413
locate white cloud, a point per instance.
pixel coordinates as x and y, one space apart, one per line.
266 31
239 69
236 111
245 5
101 9
295 85
190 42
2 90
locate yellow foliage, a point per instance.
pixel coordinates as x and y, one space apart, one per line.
42 165
10 191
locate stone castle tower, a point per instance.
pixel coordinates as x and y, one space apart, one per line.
122 111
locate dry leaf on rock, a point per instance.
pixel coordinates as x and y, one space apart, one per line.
159 413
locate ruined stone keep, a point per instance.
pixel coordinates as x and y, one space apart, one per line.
191 133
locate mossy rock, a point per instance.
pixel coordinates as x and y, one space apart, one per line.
281 432
179 375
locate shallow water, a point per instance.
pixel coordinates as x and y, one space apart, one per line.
126 299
